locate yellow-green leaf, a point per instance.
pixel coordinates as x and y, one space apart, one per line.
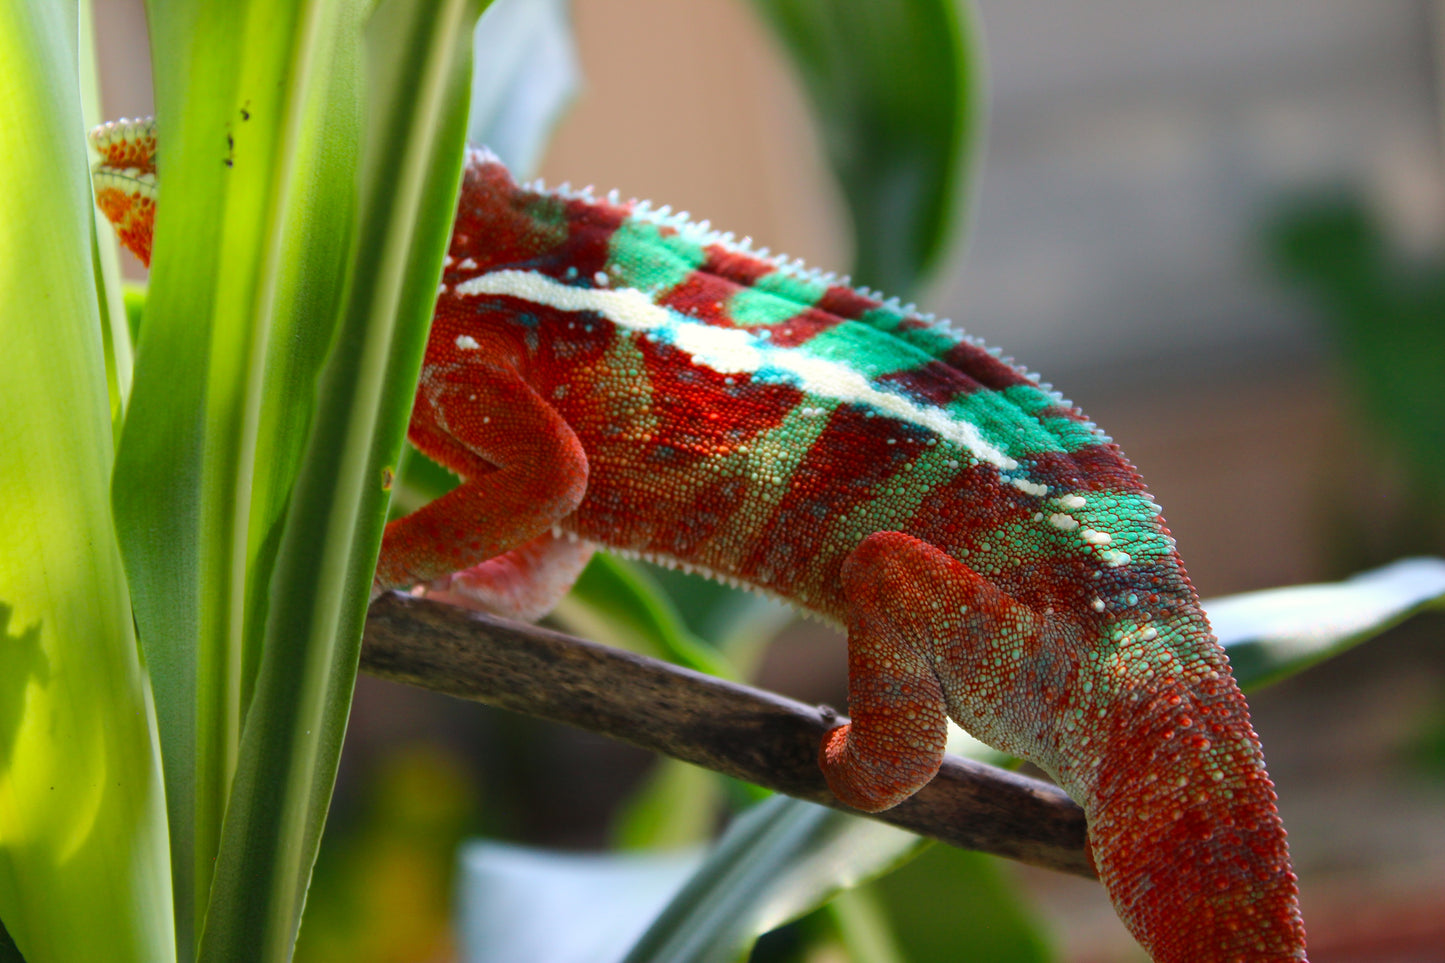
84 871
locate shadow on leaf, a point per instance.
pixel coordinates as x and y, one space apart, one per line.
21 657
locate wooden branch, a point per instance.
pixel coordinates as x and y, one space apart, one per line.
744 732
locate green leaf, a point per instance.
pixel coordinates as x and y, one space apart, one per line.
257 113
951 903
416 67
134 296
83 849
863 926
517 903
779 860
898 94
1277 633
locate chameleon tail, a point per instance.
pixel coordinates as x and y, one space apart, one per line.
1184 829
1147 731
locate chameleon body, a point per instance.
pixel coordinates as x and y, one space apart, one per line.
603 373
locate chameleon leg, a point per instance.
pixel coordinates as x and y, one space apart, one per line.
894 743
523 467
521 584
918 619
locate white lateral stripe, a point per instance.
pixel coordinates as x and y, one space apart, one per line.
733 351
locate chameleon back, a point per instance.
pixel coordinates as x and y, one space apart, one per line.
789 414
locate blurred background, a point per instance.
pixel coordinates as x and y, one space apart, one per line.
1220 229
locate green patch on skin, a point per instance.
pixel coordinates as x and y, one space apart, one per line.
752 307
1029 399
1126 517
864 349
622 380
1007 426
933 342
548 217
774 298
881 319
898 498
804 292
774 458
1070 433
640 255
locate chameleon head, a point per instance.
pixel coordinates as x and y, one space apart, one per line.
125 181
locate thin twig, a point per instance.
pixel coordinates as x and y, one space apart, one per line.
744 732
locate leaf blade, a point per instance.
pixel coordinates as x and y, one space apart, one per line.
410 167
780 859
1273 634
82 818
901 142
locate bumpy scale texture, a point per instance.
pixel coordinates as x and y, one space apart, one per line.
609 374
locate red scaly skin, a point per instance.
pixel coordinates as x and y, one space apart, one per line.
602 374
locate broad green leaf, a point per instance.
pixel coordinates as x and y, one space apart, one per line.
416 62
862 925
256 114
525 75
1276 633
897 90
83 848
520 905
779 860
1381 307
676 805
951 903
